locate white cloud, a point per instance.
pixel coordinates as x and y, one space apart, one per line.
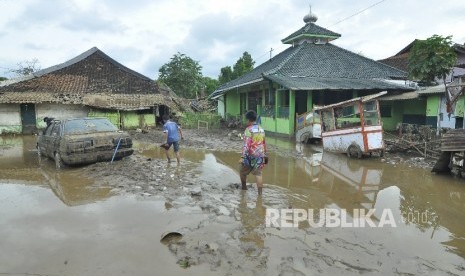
144 34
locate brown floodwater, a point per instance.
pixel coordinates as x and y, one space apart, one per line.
60 223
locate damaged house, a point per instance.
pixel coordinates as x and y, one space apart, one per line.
428 105
91 84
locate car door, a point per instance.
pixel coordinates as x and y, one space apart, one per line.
54 138
44 140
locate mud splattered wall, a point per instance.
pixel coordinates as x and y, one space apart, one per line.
59 111
10 119
432 105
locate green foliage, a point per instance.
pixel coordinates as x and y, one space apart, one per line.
190 120
3 78
183 75
226 74
210 85
431 58
242 66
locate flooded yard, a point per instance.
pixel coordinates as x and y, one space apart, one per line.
108 219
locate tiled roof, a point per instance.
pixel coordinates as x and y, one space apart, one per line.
109 101
321 66
91 72
399 61
310 30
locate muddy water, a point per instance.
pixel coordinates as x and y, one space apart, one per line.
60 223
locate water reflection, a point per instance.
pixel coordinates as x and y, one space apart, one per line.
429 209
252 215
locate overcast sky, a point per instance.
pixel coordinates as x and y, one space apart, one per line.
145 34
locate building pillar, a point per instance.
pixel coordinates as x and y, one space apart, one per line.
309 101
291 111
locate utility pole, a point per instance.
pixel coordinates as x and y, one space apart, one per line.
271 53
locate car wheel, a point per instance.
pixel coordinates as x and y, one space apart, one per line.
354 151
58 161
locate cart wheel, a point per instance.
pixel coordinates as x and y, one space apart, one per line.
354 151
58 161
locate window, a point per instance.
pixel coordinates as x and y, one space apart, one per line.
83 126
48 131
347 116
327 119
285 98
55 129
386 110
370 113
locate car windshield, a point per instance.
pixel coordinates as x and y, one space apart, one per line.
82 126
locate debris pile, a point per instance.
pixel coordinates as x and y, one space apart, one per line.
421 139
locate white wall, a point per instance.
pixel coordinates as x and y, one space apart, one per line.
10 115
221 106
59 111
10 118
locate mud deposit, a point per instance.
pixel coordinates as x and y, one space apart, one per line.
108 219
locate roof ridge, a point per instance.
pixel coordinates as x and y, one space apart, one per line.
72 61
83 56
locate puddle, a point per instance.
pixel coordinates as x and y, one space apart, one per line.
52 220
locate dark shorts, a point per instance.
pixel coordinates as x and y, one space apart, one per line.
246 170
175 146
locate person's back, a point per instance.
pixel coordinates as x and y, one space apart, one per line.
254 141
253 157
172 129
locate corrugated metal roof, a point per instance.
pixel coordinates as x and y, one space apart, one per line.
404 96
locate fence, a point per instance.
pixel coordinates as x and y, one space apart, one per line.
191 120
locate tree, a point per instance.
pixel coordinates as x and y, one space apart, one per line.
210 85
432 58
243 65
226 74
3 78
183 75
26 67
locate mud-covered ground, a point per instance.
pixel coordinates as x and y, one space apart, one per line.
233 239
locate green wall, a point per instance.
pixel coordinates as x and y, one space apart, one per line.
130 119
279 125
112 115
432 105
460 106
233 103
390 123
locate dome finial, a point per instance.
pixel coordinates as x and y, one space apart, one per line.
310 17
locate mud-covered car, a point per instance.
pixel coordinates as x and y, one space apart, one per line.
83 141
